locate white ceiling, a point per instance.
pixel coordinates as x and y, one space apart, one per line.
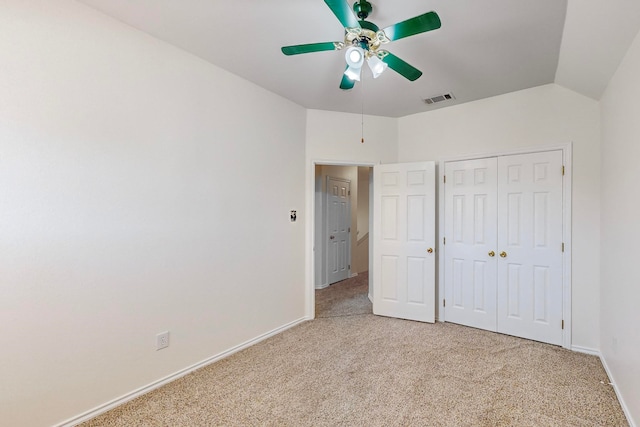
483 48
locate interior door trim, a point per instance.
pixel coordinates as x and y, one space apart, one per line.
567 150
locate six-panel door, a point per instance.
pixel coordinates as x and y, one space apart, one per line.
530 238
503 251
338 235
404 241
470 230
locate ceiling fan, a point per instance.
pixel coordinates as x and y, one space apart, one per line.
363 40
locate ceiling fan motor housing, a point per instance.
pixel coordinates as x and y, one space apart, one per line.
366 36
362 8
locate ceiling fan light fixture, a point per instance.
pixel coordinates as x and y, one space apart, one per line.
354 57
377 66
353 73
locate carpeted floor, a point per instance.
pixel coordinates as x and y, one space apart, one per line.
347 298
351 368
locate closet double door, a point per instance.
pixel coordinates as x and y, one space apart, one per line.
503 244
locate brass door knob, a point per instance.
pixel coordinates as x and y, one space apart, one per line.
503 254
430 250
492 254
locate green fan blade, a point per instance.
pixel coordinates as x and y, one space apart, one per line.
308 48
346 82
420 24
401 67
343 12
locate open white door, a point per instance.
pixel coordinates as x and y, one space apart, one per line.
404 241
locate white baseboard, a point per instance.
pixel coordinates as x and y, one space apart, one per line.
159 383
585 350
625 408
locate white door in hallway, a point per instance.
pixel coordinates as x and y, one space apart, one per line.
338 229
530 245
404 241
471 235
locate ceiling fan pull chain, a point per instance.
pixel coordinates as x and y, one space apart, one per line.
362 115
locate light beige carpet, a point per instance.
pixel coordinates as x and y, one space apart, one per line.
347 298
351 368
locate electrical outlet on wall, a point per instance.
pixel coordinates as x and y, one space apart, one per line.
162 340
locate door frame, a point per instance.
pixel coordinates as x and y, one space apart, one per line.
325 224
310 249
567 149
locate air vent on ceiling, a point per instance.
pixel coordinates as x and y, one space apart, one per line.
439 98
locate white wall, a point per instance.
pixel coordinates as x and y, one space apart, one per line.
544 115
137 185
335 138
620 289
363 201
361 252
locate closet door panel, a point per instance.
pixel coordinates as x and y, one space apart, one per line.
470 229
529 287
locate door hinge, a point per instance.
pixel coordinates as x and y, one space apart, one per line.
444 302
562 246
445 179
563 324
349 229
349 266
444 240
349 193
562 170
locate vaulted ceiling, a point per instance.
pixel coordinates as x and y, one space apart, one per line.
483 48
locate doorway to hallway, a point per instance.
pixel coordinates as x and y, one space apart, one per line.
341 223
